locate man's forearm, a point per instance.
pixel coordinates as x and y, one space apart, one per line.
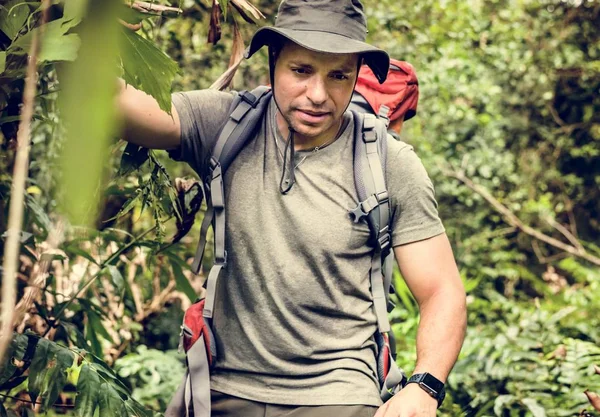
144 122
441 333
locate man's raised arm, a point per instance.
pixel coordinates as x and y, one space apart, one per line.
144 123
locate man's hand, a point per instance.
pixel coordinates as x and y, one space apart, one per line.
411 401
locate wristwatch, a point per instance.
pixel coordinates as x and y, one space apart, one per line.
431 385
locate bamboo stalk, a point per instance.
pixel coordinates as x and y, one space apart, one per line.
10 261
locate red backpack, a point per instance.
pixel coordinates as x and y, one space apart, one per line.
395 100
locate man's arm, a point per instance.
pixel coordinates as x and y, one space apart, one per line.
144 123
429 269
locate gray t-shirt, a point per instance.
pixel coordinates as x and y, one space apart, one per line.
294 315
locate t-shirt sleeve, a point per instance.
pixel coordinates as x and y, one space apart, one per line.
202 113
414 208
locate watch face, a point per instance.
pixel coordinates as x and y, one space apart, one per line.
433 385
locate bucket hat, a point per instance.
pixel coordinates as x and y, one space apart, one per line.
330 26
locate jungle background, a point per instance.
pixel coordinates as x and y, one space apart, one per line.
508 126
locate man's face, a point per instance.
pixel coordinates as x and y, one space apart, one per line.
312 90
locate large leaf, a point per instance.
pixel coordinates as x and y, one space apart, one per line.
48 371
13 16
147 68
88 392
111 403
57 45
87 103
16 351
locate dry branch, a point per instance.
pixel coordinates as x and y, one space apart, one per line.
513 220
17 195
237 56
40 274
155 9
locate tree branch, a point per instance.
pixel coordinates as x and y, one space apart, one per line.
513 220
38 279
20 173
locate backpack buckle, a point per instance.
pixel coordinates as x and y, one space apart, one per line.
357 213
365 207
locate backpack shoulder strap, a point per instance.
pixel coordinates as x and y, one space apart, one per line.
370 152
247 111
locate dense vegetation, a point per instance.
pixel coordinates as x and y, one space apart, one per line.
508 126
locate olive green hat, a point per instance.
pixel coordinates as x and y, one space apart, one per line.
331 26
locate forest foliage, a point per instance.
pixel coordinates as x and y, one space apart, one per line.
508 127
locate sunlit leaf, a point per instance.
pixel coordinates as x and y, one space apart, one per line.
147 68
56 44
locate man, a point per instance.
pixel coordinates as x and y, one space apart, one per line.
294 316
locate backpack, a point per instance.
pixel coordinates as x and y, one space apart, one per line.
370 149
395 99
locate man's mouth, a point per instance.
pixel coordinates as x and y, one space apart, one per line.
312 116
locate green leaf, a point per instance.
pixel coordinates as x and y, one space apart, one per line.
129 205
116 278
182 282
111 403
133 158
88 392
74 334
74 11
57 45
48 371
12 17
136 409
95 324
16 350
38 365
2 61
147 68
224 8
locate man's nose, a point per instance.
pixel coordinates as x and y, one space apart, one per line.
316 90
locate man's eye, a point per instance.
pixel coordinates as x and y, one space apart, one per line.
300 70
340 77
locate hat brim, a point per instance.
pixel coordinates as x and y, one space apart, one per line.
331 43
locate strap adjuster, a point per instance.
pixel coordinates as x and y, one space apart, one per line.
221 260
369 136
383 197
249 98
384 240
